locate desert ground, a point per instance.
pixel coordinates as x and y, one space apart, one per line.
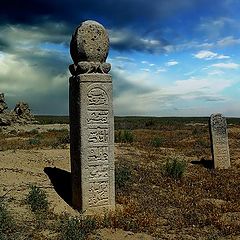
152 203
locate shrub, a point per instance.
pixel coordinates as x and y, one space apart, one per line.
34 141
157 142
124 136
149 123
122 176
76 228
34 131
6 221
37 199
175 167
64 139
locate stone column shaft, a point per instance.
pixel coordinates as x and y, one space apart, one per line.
92 142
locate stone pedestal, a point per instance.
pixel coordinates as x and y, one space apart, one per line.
219 141
91 121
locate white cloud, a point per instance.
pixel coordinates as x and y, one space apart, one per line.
191 86
171 63
208 55
145 69
162 98
216 72
227 41
148 63
222 57
161 70
205 55
124 59
226 65
215 27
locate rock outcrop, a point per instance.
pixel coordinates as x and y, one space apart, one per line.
5 116
21 114
3 105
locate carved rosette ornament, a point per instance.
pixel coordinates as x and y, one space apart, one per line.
89 49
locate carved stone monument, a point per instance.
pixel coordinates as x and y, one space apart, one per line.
91 120
219 140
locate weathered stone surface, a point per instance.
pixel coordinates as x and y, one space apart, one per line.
219 141
3 105
21 114
5 119
90 43
91 121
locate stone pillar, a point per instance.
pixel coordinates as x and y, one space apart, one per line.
219 141
91 120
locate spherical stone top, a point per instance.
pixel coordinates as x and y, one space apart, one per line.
89 43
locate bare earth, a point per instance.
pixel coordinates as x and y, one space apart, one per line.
21 168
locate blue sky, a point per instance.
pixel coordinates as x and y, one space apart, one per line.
169 58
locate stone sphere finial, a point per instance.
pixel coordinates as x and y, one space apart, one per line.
90 43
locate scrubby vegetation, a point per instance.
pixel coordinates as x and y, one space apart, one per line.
164 185
37 199
174 167
6 221
34 139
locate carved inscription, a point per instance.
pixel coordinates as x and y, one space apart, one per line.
98 135
98 150
98 193
220 148
97 116
97 97
98 154
98 171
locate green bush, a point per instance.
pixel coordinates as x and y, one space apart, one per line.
76 228
37 199
34 141
122 176
124 136
175 167
157 142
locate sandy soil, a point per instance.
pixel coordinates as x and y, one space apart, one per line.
50 170
44 168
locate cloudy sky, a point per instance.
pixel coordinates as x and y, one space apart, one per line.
169 58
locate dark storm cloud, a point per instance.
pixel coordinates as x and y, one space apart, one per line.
123 40
119 13
141 20
136 16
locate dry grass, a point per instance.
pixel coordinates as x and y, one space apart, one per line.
158 204
203 203
34 140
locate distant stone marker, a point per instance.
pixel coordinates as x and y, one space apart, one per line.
91 120
219 140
